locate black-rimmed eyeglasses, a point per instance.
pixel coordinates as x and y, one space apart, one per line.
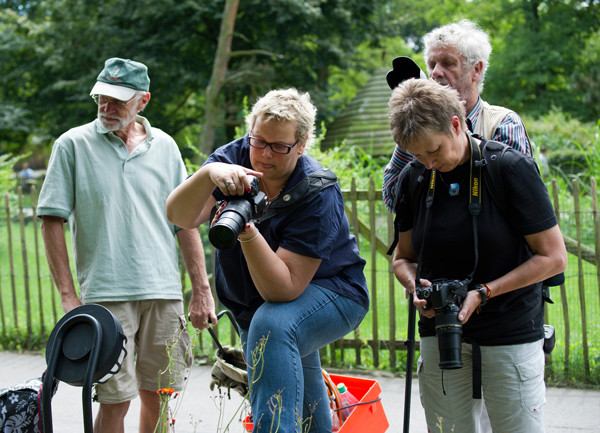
259 143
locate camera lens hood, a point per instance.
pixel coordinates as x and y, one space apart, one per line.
223 234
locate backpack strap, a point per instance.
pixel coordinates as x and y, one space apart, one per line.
493 152
417 180
300 193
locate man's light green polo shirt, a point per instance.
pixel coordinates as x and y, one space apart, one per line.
123 244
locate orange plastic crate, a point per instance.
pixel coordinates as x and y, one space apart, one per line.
368 417
364 418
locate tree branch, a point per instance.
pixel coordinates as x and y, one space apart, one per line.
253 52
239 74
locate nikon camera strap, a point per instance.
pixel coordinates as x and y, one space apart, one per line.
474 205
474 209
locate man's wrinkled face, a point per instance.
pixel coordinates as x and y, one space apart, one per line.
446 66
114 114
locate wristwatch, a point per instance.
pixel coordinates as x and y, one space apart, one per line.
484 292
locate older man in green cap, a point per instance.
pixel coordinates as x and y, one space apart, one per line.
110 179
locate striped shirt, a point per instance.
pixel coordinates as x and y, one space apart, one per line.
510 131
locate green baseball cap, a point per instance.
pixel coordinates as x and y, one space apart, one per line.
121 78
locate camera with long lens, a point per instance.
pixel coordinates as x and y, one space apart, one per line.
445 297
234 217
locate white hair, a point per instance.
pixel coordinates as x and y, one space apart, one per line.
468 38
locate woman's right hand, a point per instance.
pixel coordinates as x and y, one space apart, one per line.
420 304
405 269
231 179
191 202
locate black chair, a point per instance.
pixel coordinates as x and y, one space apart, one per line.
86 347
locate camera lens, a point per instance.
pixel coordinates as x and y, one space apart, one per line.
223 234
449 332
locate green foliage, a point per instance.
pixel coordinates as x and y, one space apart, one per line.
190 154
590 151
17 58
545 55
586 80
568 162
344 83
557 130
349 163
413 19
7 164
538 55
50 61
572 145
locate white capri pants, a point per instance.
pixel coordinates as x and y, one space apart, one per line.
512 380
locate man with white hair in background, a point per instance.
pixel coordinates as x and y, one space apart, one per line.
457 55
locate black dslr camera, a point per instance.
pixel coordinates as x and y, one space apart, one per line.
445 297
234 217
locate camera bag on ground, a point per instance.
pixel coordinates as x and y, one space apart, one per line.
86 346
21 407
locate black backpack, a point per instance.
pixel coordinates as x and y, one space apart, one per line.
492 154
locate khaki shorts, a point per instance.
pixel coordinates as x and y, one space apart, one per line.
159 351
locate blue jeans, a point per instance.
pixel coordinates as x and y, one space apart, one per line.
288 384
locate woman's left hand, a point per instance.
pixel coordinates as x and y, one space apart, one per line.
218 213
469 305
249 233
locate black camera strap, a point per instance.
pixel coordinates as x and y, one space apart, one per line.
475 188
475 176
475 195
428 204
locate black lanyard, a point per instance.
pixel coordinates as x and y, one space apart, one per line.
475 185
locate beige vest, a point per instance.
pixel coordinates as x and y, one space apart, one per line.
489 119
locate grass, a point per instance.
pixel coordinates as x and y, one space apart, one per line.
17 331
19 338
576 373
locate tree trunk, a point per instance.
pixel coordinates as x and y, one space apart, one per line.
213 110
